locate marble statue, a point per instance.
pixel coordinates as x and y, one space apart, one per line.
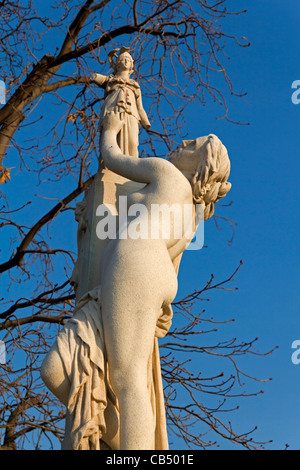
104 365
123 96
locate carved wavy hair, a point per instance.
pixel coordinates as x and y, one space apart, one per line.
210 183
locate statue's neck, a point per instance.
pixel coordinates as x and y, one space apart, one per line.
124 74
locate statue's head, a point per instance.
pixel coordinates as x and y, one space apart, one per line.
122 61
205 162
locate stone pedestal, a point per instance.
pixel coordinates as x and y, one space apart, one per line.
106 188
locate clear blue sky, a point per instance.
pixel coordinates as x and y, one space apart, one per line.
265 174
265 179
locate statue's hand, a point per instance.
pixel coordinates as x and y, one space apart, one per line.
112 122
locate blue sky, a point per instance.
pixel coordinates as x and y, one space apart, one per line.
265 179
265 195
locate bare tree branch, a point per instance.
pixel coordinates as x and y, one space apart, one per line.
16 260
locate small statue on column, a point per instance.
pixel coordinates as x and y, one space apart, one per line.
123 96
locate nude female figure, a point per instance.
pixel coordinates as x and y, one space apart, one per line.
138 275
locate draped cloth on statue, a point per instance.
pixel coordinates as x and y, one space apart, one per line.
121 97
82 350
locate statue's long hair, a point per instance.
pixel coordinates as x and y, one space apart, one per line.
210 183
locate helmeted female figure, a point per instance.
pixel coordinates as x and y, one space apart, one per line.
123 97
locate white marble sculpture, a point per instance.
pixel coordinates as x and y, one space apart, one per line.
123 96
104 366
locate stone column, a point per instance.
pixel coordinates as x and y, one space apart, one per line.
106 188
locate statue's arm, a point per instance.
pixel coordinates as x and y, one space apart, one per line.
143 115
142 170
99 79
